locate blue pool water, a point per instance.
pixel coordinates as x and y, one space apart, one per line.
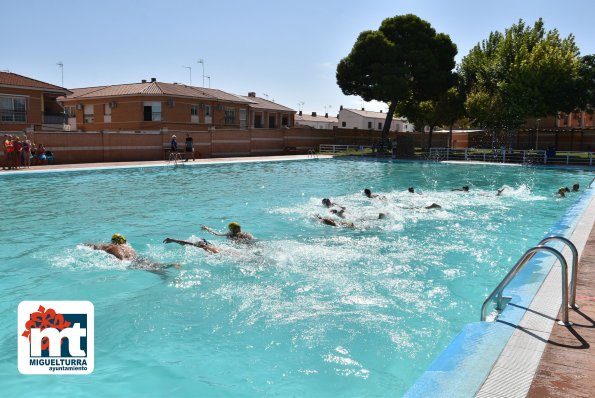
308 310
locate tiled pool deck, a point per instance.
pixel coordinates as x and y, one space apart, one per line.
538 361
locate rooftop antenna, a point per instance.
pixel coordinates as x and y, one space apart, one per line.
326 108
209 77
301 105
202 61
190 69
266 96
61 65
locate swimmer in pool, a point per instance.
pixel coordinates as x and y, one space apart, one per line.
334 223
371 195
203 244
575 187
120 249
235 233
464 189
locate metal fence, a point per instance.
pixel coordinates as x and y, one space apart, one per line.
512 156
341 148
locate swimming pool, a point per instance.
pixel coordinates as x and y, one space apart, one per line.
309 310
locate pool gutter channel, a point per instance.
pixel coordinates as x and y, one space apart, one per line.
500 359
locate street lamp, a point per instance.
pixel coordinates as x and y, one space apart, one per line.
61 65
209 77
190 69
202 62
537 135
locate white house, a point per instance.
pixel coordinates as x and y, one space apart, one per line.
368 120
316 122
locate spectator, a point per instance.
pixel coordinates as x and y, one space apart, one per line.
26 152
40 157
189 147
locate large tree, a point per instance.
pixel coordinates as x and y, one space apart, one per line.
405 59
445 110
523 72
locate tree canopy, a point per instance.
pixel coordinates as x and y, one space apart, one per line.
404 60
523 72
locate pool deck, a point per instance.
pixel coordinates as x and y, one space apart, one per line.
564 361
158 163
567 367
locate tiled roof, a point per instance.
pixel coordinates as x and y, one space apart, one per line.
12 79
317 118
155 88
261 103
371 114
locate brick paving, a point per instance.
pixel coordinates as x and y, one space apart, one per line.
567 367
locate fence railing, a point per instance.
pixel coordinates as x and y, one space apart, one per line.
341 148
512 156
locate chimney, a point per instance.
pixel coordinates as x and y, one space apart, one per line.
143 81
363 109
252 94
326 115
314 114
381 111
341 108
300 113
153 80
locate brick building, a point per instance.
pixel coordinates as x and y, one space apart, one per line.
27 104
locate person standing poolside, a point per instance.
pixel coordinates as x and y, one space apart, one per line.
27 152
173 145
235 233
203 244
8 152
17 149
189 147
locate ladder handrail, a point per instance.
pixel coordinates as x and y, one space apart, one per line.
574 274
514 271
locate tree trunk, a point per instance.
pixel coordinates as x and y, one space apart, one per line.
387 123
449 143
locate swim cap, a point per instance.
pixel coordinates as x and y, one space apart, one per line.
562 190
233 226
118 239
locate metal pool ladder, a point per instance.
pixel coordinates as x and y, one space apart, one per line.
502 301
312 154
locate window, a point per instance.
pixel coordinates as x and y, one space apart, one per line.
243 114
107 113
70 111
13 109
369 125
89 114
272 121
194 113
343 124
230 115
152 111
379 126
285 121
207 110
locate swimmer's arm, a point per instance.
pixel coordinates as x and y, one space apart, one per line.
211 230
181 242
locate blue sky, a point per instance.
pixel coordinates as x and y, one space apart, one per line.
286 50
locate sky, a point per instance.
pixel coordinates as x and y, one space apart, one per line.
284 51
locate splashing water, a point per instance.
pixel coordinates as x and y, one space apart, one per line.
308 309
